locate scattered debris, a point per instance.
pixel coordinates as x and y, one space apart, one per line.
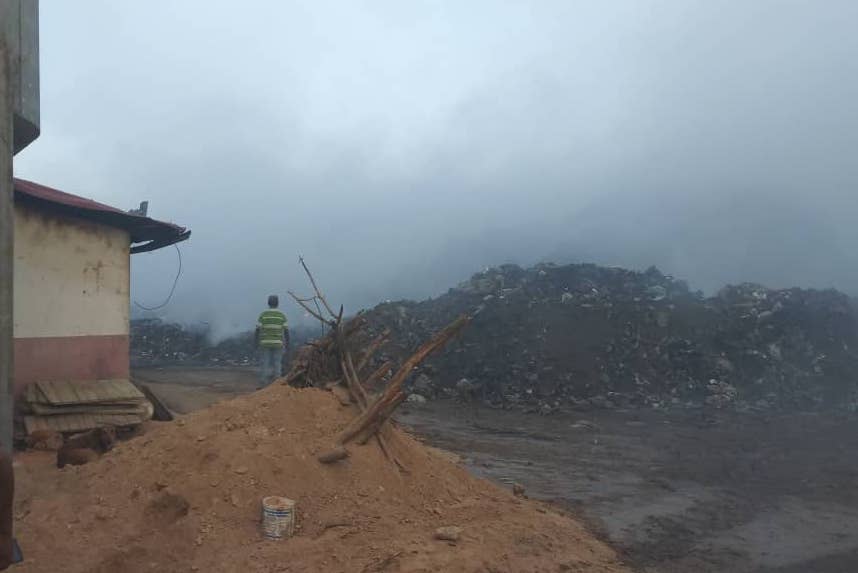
85 447
333 455
448 533
45 440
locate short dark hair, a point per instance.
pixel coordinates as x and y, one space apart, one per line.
273 301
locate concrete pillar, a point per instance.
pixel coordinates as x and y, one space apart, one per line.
7 238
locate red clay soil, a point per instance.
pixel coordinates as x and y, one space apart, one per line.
185 496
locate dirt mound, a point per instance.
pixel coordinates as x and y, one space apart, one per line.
581 335
186 497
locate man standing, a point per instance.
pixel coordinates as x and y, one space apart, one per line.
270 336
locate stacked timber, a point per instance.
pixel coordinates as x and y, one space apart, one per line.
66 407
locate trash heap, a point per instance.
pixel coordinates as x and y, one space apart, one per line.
556 337
155 342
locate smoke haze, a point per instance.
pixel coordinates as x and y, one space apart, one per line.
401 146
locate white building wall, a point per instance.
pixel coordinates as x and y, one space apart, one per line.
71 276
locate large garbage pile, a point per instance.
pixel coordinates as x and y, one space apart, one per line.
155 342
553 337
186 496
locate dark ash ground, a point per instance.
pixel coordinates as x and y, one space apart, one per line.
678 493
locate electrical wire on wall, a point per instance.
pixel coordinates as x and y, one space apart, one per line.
172 290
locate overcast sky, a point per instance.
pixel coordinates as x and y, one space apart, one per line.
401 146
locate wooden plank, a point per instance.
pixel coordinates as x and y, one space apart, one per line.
48 390
85 392
76 422
121 389
139 409
32 393
72 393
59 393
66 392
114 390
161 412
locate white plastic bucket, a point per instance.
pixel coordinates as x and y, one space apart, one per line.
278 517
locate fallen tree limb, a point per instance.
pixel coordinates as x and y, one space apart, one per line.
373 347
371 420
378 374
343 395
372 425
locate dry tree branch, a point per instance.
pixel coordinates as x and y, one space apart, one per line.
316 288
373 347
312 312
368 423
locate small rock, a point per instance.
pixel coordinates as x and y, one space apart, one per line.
104 513
448 533
518 490
241 470
201 438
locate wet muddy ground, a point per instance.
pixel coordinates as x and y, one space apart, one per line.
673 492
185 390
678 492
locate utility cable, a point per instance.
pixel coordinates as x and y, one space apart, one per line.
172 290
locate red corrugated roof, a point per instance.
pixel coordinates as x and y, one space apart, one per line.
152 233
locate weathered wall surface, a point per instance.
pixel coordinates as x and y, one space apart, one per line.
72 281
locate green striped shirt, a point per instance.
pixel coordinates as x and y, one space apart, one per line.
272 325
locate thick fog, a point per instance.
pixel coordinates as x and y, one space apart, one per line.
401 146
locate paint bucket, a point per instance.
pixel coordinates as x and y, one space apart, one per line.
278 517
